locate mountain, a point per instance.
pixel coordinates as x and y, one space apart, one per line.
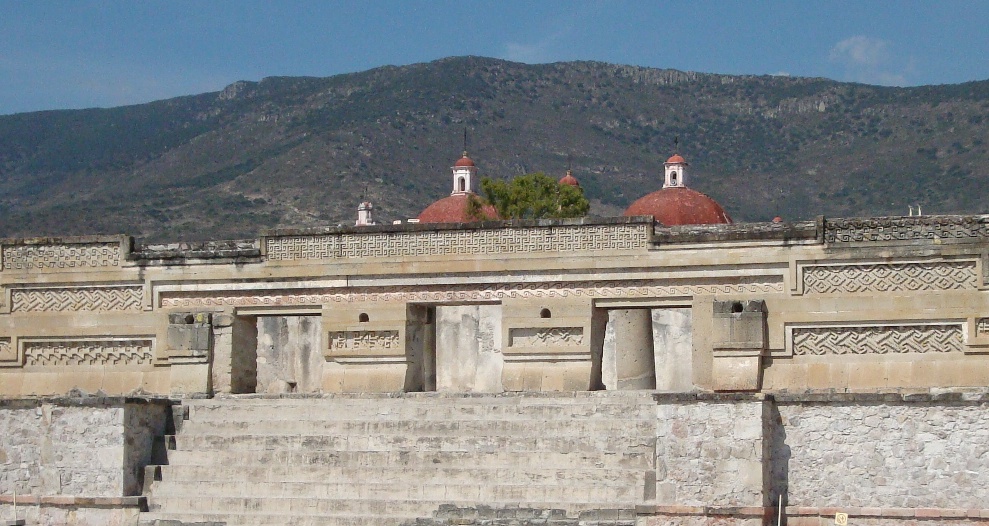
300 151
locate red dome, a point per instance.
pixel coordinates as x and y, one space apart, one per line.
464 161
679 206
453 209
676 159
569 179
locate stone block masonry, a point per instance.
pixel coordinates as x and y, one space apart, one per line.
77 460
889 455
890 459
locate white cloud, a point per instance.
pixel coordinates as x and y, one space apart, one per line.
868 60
529 53
860 51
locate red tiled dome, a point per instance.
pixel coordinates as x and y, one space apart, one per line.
569 179
464 161
679 206
676 159
453 209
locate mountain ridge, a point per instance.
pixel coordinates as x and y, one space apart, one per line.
303 151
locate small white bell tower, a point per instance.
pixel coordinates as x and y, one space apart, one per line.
364 214
464 176
676 172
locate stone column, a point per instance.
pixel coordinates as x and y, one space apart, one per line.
628 361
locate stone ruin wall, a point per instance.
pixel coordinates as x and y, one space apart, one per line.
887 305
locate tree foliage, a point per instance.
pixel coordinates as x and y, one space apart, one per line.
534 196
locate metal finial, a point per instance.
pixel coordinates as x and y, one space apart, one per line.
676 144
465 141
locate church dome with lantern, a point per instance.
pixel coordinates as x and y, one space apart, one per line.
455 208
675 204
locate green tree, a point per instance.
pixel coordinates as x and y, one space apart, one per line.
534 196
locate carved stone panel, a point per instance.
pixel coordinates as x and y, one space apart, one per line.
547 337
905 228
563 239
7 353
880 339
105 352
41 257
890 277
72 299
342 341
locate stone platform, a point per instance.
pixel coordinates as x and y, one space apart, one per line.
363 460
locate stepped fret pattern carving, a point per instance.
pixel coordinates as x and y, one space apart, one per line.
547 337
88 352
459 242
77 299
887 339
890 277
905 228
39 257
363 340
603 289
7 351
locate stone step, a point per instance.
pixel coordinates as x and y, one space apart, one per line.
412 460
306 443
609 427
202 475
478 490
358 507
259 519
320 411
510 398
492 516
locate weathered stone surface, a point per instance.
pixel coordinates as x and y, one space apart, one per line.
711 453
90 449
884 455
468 349
289 359
672 332
628 360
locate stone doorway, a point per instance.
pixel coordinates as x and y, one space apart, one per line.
289 357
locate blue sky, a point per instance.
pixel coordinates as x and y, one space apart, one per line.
85 53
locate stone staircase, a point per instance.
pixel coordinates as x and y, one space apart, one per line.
423 458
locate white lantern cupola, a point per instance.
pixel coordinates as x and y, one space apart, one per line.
676 172
464 176
364 214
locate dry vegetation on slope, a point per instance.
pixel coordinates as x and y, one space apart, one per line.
302 151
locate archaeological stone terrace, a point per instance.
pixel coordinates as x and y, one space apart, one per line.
594 371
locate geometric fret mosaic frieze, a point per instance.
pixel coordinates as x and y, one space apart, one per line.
77 299
88 352
882 339
492 292
916 228
890 277
82 255
458 242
